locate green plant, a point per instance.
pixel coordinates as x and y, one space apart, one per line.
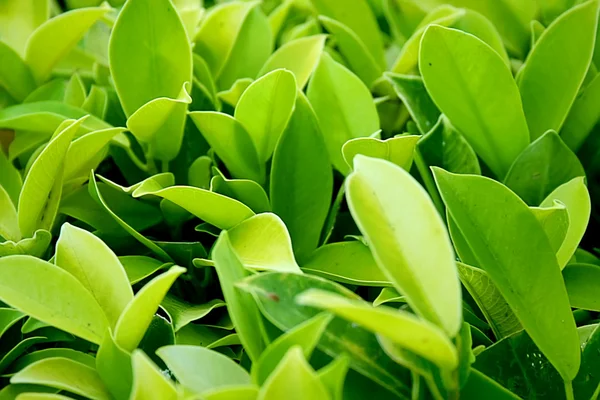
299 199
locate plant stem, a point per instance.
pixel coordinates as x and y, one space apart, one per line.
569 390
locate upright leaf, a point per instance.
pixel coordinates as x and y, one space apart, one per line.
582 282
147 40
411 90
397 218
15 75
301 182
9 222
492 219
399 150
567 44
94 264
343 105
583 116
148 381
474 88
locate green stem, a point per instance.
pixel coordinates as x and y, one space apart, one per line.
569 390
596 393
435 391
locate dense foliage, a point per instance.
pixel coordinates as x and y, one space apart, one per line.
299 199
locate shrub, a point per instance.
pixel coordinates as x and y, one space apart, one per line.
299 199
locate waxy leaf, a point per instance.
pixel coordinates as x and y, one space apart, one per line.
346 262
299 56
543 166
65 374
403 328
411 90
305 335
34 246
390 208
586 383
399 150
9 222
98 269
583 116
244 190
216 209
52 40
51 295
301 182
241 307
10 179
137 316
113 364
39 199
582 282
293 379
496 310
343 105
15 75
474 88
573 195
232 143
182 313
492 218
199 369
140 56
265 108
567 44
148 381
477 24
263 243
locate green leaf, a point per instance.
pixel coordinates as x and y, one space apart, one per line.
232 95
136 317
18 19
114 367
15 75
474 88
96 103
359 58
357 16
98 269
148 381
10 180
75 91
399 150
293 379
234 40
140 53
183 313
9 222
159 124
478 25
275 295
299 56
516 363
263 243
405 329
346 262
139 268
242 392
396 219
241 307
55 38
586 383
479 383
567 44
301 184
216 209
574 195
265 108
388 295
343 105
492 218
244 190
411 90
65 374
543 166
496 310
35 246
582 282
84 151
232 143
583 116
199 369
333 375
305 335
40 196
51 295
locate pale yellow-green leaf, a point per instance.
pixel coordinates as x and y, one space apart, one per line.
149 383
9 222
399 150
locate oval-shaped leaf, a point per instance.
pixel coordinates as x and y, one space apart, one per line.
397 219
583 283
583 116
567 44
343 105
301 183
399 150
474 88
492 219
15 75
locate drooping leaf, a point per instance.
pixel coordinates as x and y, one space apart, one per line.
391 217
301 183
474 88
567 44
